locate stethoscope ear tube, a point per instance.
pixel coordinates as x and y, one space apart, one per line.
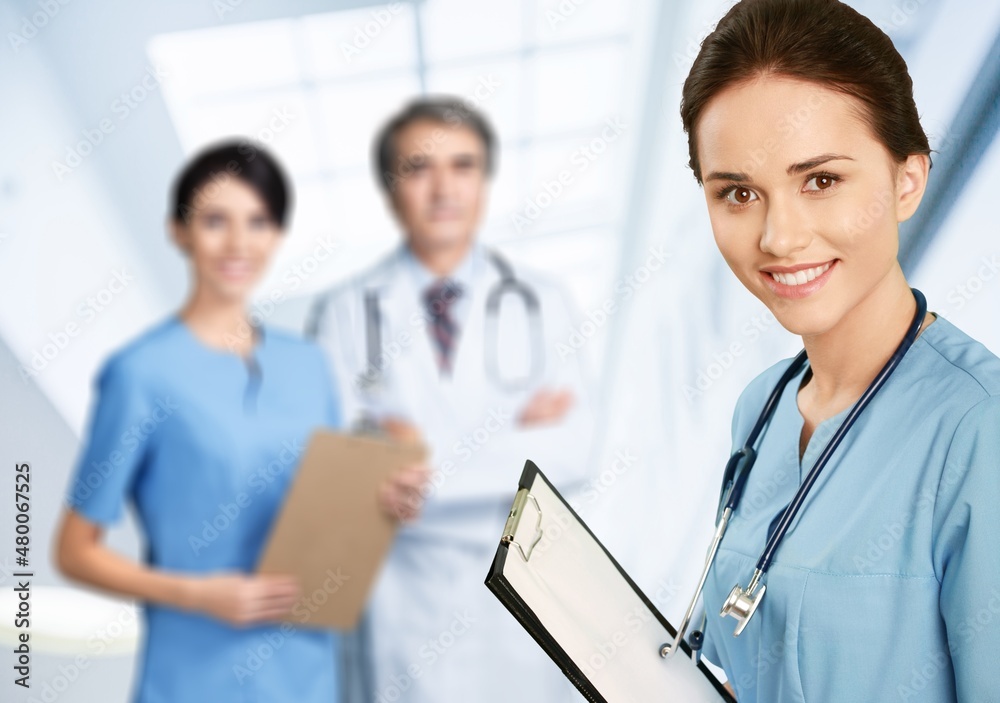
509 284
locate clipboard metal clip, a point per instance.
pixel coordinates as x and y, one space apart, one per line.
514 519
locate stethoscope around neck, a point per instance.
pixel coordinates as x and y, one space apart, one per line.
372 378
742 603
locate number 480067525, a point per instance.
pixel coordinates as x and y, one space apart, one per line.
22 504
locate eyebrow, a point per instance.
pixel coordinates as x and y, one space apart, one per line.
799 167
812 163
467 158
424 157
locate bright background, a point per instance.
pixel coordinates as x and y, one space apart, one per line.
314 80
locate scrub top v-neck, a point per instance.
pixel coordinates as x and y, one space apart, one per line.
885 586
204 443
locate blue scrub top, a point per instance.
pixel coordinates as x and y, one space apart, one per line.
205 444
887 585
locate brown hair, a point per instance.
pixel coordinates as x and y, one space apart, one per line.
823 41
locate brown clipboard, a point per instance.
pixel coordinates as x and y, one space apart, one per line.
330 532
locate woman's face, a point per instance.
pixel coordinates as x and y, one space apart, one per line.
804 201
229 237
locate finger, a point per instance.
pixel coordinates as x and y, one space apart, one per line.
421 468
537 405
566 398
412 481
389 505
400 514
270 597
533 402
411 503
269 585
527 416
272 614
279 600
563 405
391 502
386 493
275 601
404 513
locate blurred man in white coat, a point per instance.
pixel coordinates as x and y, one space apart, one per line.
445 340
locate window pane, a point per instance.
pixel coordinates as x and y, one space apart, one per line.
459 29
348 43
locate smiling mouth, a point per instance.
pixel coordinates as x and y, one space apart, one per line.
799 278
234 269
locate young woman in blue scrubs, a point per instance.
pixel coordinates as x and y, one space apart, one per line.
200 424
803 131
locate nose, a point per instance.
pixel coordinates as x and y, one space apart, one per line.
238 238
442 183
786 230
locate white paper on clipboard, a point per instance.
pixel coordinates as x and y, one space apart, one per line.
585 611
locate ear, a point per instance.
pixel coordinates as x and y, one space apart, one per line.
181 235
911 182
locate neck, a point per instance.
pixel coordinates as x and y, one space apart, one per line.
845 359
219 322
441 260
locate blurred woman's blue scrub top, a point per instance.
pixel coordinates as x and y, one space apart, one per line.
887 586
205 444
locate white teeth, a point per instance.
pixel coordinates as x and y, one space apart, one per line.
800 277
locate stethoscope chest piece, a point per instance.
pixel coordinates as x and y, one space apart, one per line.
742 604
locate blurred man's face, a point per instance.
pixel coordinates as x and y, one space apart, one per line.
439 190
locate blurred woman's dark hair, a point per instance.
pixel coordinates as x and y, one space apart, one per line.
822 41
243 159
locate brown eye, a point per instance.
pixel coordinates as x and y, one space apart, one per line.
738 195
821 182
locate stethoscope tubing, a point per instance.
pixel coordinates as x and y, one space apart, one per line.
508 284
737 471
767 556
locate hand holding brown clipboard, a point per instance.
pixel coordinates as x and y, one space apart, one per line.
331 533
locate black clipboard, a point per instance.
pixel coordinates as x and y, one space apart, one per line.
550 609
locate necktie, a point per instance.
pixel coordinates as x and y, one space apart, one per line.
438 300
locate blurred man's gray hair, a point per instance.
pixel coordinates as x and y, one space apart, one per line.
450 111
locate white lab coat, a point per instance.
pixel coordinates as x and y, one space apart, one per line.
432 631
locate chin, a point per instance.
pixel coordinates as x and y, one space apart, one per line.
804 322
233 292
446 234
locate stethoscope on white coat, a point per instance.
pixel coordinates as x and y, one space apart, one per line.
743 603
374 374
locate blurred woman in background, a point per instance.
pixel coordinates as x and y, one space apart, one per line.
200 424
